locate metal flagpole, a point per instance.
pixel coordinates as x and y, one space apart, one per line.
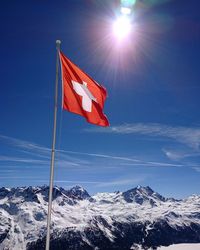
58 42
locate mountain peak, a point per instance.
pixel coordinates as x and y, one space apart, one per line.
78 187
145 189
78 192
142 194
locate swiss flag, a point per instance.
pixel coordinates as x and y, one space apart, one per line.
81 94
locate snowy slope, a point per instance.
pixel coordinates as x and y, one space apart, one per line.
105 221
181 247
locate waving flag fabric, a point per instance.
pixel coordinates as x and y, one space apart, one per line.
81 94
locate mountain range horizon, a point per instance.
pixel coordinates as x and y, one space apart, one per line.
138 218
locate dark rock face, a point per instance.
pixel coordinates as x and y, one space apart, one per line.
125 235
78 192
3 192
3 236
44 191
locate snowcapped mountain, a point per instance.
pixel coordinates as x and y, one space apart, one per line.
136 219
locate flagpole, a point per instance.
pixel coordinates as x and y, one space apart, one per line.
58 42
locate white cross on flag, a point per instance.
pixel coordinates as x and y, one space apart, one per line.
81 94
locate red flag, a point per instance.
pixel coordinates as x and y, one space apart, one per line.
81 94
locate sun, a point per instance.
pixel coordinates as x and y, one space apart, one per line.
122 27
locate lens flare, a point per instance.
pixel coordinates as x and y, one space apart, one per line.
128 2
122 27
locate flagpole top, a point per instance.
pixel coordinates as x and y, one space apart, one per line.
58 42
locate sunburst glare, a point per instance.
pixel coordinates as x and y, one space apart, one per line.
122 27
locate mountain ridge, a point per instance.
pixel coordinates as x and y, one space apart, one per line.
120 220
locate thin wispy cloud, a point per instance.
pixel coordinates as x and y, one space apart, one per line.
186 135
179 155
37 151
197 169
64 158
121 182
25 145
153 164
90 165
19 177
163 164
110 183
21 160
101 156
64 163
6 171
30 153
133 161
77 182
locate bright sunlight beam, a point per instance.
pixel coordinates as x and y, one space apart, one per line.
122 27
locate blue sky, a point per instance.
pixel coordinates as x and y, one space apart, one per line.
152 81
